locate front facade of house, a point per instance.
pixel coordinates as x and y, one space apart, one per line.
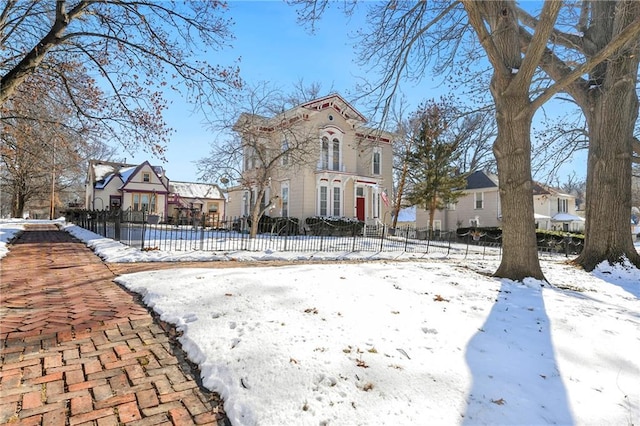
480 207
139 187
188 200
146 188
346 172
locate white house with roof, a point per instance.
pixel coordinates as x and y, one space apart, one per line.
480 207
188 198
348 175
141 187
146 188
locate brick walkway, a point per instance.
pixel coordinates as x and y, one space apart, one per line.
77 349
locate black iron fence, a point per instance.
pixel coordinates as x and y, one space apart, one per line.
204 232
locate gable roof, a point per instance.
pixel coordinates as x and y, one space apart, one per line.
337 103
104 172
333 102
541 189
196 190
481 179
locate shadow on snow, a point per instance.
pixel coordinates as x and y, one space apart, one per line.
515 375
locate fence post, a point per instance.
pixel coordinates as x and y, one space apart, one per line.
104 223
354 232
202 223
406 237
429 234
384 227
143 230
116 224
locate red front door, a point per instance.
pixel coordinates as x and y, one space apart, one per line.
360 208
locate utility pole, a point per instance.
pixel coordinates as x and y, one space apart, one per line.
53 183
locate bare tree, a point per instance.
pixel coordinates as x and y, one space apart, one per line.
608 98
135 49
42 141
407 35
262 143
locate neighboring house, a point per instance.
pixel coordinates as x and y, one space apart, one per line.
187 199
555 210
348 175
131 187
480 207
144 187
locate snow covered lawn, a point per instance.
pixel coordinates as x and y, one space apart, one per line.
410 342
407 343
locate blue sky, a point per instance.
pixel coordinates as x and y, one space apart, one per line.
273 47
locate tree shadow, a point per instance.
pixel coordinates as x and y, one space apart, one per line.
624 276
512 361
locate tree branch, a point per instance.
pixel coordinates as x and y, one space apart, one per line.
630 32
538 44
559 37
477 22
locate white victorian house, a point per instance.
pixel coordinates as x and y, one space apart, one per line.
347 172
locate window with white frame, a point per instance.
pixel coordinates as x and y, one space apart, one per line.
563 205
144 202
330 153
246 202
284 194
324 154
376 161
337 192
451 206
336 154
323 200
474 223
146 177
478 198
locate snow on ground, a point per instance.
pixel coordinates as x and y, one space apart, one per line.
404 342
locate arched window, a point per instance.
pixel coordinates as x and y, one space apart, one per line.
336 154
324 155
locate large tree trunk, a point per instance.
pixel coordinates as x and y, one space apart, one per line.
512 150
611 110
17 206
510 87
608 200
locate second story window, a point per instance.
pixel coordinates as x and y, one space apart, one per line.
330 154
478 200
376 161
563 205
324 155
146 177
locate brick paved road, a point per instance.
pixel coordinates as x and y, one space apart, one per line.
77 349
